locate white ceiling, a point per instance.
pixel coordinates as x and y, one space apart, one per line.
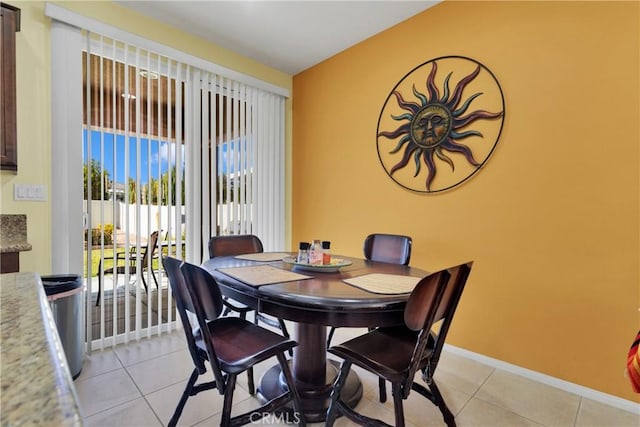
289 36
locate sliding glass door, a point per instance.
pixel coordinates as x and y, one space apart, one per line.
158 155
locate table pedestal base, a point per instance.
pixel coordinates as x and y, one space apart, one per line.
315 399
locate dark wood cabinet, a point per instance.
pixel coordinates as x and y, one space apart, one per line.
8 136
9 262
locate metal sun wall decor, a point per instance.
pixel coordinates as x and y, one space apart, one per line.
424 121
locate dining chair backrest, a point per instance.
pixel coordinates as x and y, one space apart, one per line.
419 316
424 300
184 306
447 307
207 303
234 245
390 248
204 290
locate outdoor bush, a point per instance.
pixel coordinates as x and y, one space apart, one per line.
108 230
96 233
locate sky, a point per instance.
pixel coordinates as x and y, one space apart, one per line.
160 156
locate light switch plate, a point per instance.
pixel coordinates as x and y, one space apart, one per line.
30 192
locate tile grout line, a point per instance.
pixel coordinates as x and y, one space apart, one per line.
144 397
473 395
495 405
575 419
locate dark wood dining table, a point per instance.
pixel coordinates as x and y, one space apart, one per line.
312 305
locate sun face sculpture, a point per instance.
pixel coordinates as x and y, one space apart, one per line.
438 127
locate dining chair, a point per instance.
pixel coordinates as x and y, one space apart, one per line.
230 345
389 248
240 244
147 251
397 353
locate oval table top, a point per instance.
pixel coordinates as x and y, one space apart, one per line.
323 299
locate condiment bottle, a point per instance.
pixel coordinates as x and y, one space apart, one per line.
315 253
303 253
326 253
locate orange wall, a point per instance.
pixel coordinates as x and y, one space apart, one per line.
552 222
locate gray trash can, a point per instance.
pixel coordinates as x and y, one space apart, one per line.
64 293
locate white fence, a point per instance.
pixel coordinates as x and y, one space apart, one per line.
152 217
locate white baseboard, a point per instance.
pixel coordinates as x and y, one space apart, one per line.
604 398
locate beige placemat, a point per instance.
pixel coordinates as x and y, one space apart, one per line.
264 256
257 275
384 283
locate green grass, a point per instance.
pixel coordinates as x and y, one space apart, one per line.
95 260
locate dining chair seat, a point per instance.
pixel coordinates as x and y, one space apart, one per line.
371 351
240 344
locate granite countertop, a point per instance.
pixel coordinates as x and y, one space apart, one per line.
13 233
37 388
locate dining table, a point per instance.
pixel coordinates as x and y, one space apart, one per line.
350 292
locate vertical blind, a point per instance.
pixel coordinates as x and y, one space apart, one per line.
132 142
185 148
241 160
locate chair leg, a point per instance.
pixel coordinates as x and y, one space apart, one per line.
332 412
100 274
283 328
331 331
144 282
183 399
250 383
153 274
397 404
99 288
383 390
286 371
448 417
228 400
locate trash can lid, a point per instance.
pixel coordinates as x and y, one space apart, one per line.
59 283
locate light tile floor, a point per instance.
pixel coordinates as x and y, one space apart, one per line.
140 383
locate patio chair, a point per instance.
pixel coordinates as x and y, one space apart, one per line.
147 252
